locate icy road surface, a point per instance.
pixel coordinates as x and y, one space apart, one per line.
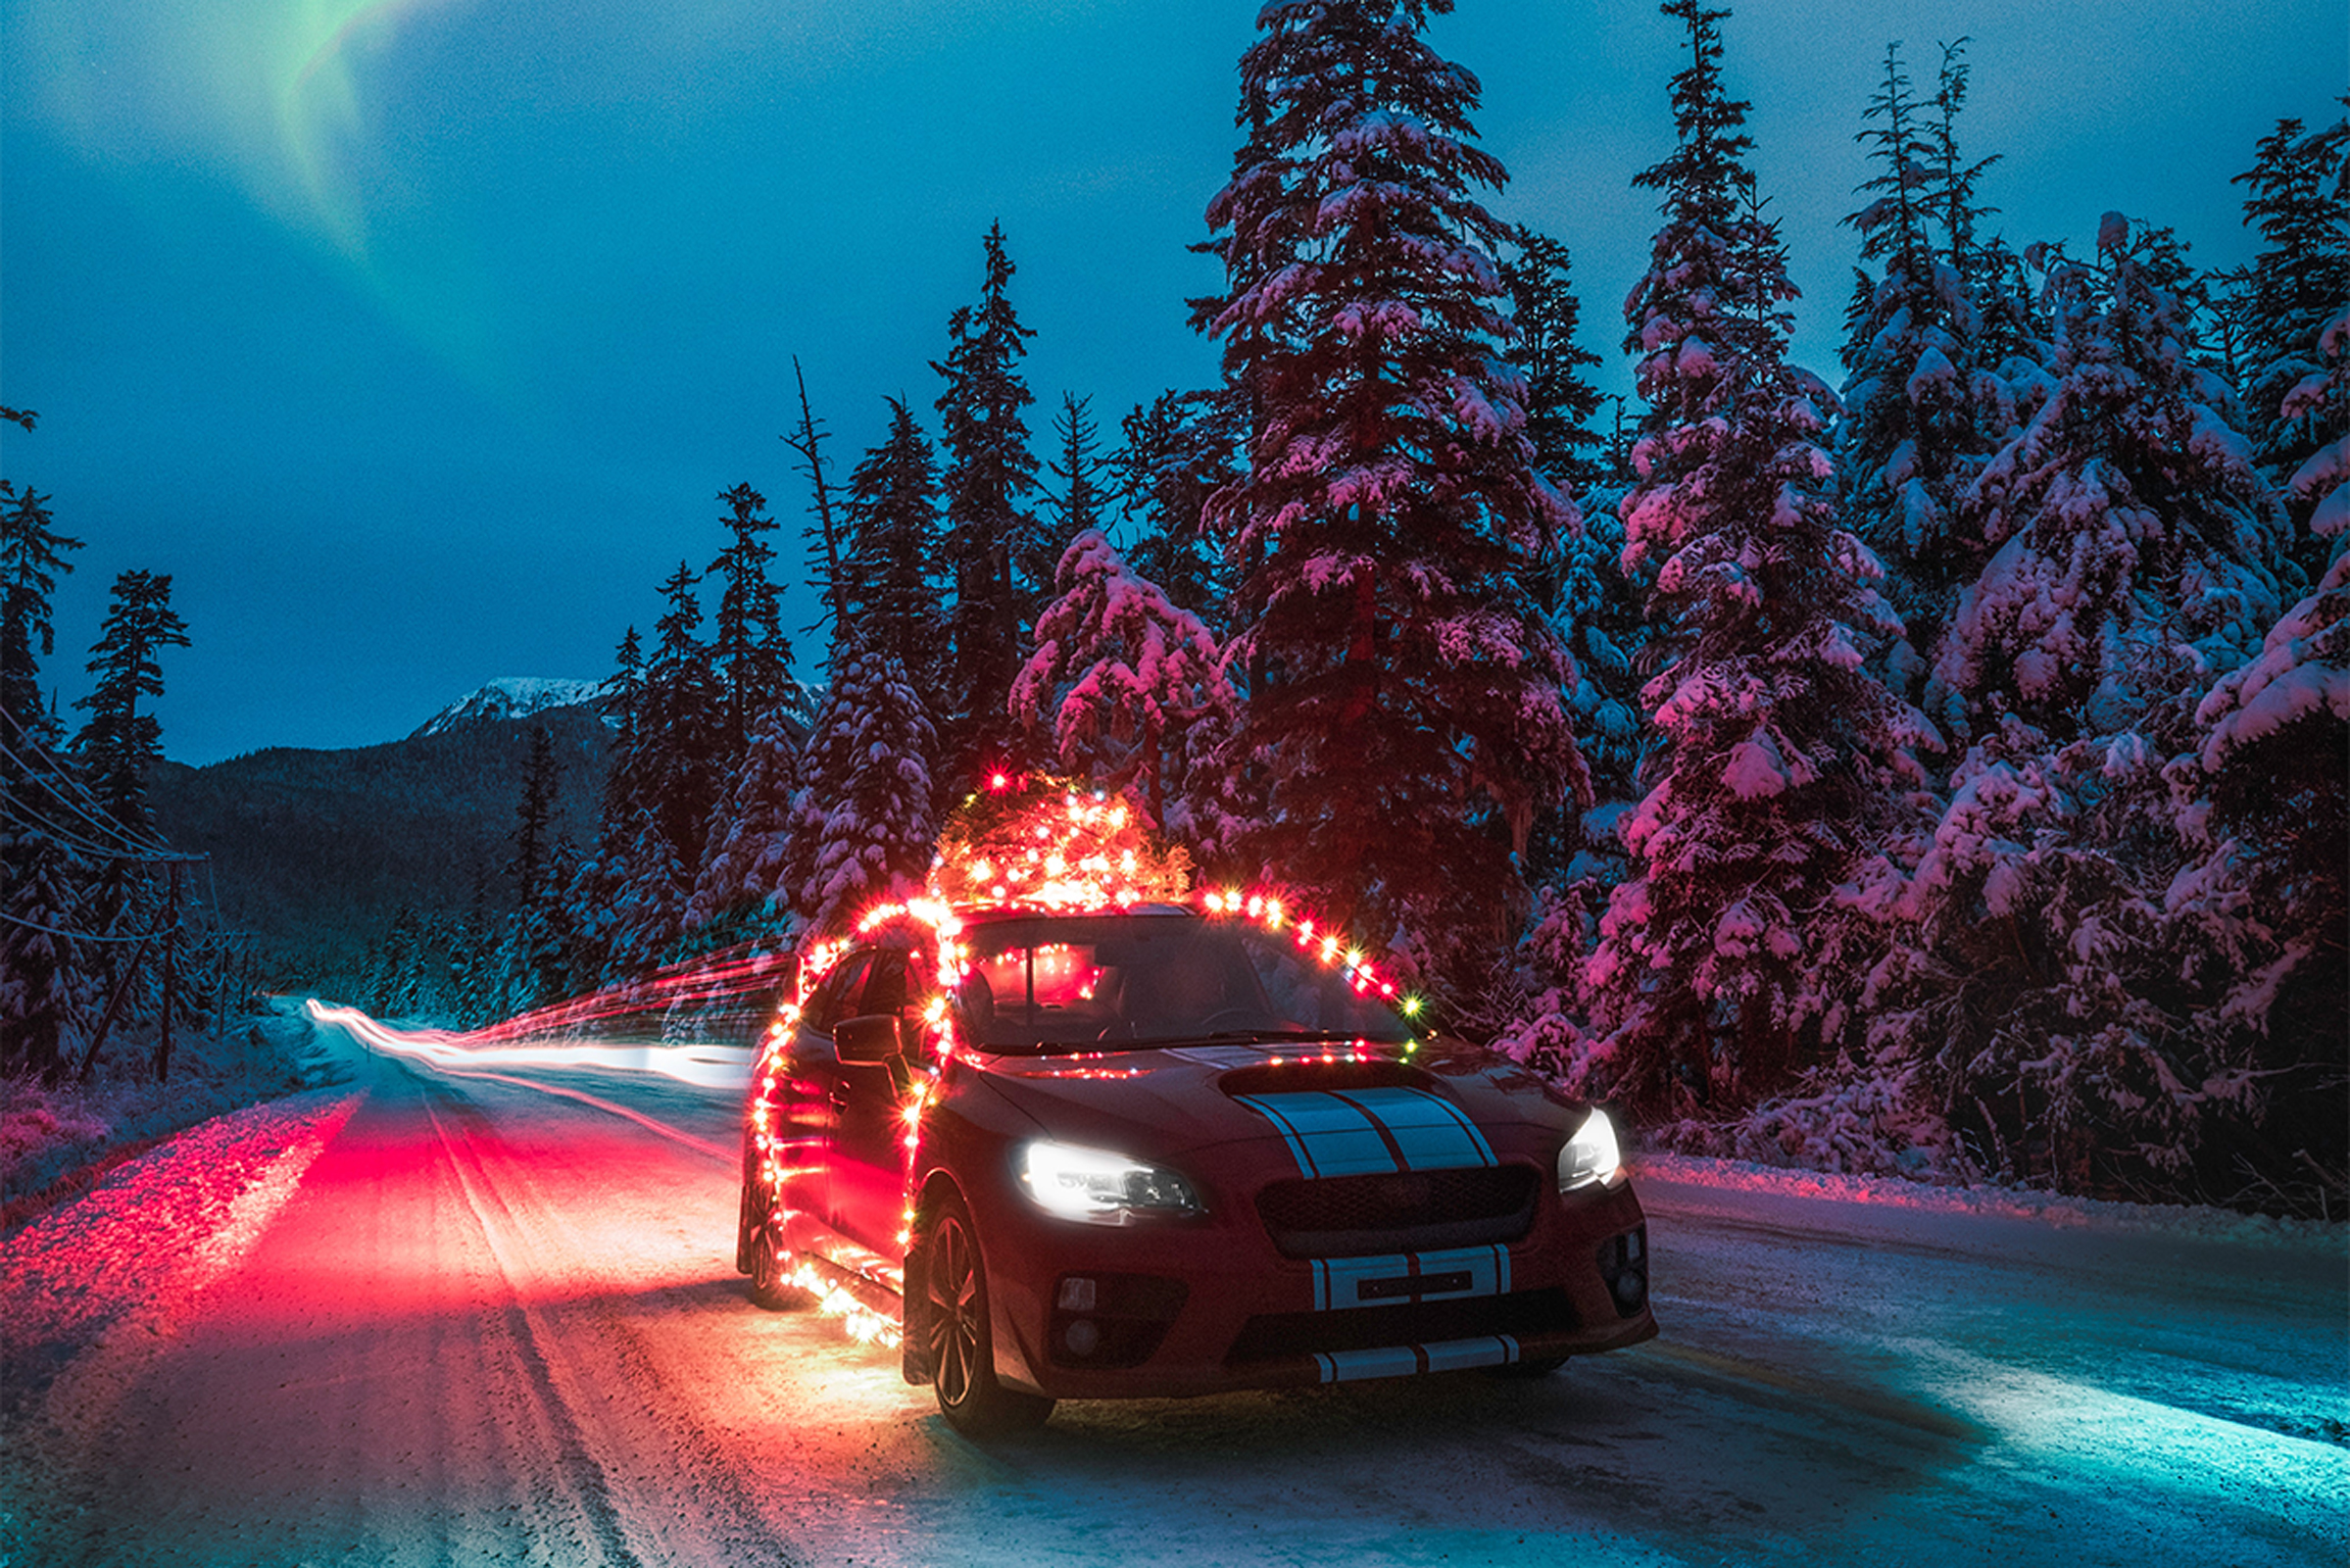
444 1318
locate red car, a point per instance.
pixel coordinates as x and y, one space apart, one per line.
1156 1152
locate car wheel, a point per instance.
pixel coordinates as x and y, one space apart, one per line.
961 1348
768 1287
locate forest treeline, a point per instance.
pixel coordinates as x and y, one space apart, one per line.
1942 770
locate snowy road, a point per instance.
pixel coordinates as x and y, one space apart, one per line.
476 1322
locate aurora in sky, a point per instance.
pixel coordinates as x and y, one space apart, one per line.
416 338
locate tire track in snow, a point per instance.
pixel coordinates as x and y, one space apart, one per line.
681 1506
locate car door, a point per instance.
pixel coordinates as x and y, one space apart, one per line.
868 1152
819 1087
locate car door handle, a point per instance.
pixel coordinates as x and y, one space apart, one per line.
840 1097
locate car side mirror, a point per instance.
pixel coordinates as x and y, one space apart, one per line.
870 1039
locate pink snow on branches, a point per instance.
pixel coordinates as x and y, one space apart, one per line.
2300 671
1117 664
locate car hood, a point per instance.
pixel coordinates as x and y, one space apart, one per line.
1167 1100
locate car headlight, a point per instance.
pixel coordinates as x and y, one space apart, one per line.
1591 1155
1095 1184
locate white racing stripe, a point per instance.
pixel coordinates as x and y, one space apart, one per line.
1404 1361
1362 1132
1400 1278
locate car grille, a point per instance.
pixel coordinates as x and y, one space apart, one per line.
1406 1211
1280 1336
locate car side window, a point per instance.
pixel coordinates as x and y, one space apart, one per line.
829 1004
885 989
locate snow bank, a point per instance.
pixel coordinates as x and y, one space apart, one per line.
2053 1209
156 1228
54 1140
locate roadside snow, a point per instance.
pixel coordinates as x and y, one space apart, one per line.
2052 1209
156 1230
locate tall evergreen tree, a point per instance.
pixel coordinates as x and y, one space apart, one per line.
36 969
2299 202
117 747
2131 533
750 657
541 775
889 589
743 887
659 803
119 743
1710 962
1076 503
1559 400
1403 714
33 555
876 799
1922 412
1179 449
993 548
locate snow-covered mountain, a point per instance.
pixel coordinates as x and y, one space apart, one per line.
510 697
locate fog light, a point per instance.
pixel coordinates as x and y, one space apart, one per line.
1082 1337
1632 1290
1076 1294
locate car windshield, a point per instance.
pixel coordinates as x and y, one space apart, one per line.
1118 982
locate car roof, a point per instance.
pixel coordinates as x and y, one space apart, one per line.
990 913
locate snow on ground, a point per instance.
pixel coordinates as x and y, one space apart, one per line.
1851 1368
157 1227
2053 1209
51 1137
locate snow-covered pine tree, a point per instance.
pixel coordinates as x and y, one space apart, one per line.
1602 617
1179 449
1594 609
36 968
1120 675
992 547
2265 793
2131 533
743 886
1559 400
1403 716
2320 486
2048 978
1921 410
36 965
889 587
671 779
878 803
750 657
2300 203
1714 971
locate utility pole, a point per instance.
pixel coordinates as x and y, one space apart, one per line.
163 1046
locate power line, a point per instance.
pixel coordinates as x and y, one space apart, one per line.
107 825
76 936
96 815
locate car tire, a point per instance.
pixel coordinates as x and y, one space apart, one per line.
754 1247
961 1342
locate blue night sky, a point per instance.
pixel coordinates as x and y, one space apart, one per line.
416 338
